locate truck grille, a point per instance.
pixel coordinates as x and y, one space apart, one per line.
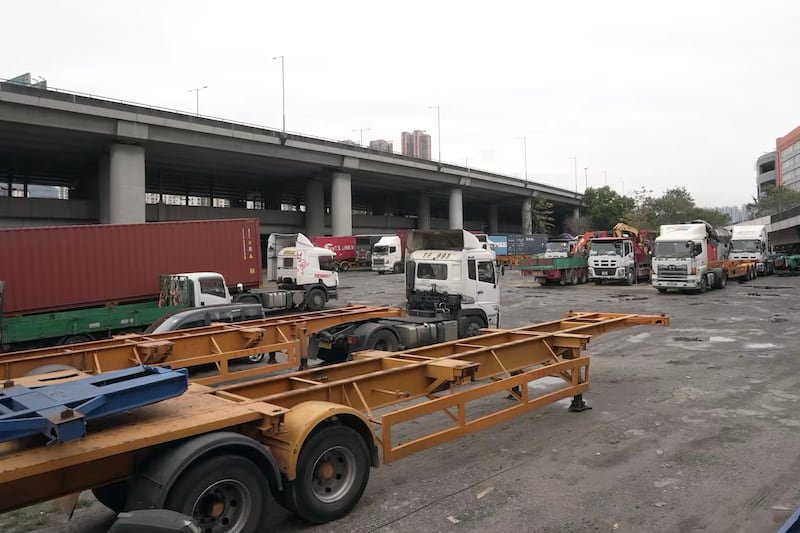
605 271
378 262
672 272
606 263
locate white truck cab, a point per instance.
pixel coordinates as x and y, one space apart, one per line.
612 258
682 253
559 248
387 255
193 289
752 242
305 265
452 283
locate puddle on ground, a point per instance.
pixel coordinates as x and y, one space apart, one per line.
721 339
760 346
689 339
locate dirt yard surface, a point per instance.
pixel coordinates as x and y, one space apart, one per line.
694 427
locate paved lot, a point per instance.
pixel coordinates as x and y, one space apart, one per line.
694 427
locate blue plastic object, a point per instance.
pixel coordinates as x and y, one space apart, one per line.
60 411
793 524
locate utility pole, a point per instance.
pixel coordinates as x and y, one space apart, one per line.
361 133
283 92
585 177
197 98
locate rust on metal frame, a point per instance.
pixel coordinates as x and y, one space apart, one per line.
216 344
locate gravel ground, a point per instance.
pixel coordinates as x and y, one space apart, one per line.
694 427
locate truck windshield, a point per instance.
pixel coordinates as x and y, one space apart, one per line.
606 248
748 245
327 262
672 249
380 250
431 271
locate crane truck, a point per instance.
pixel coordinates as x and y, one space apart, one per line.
564 262
72 284
625 256
694 257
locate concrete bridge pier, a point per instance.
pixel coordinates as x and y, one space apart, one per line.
315 208
424 213
121 187
456 209
341 205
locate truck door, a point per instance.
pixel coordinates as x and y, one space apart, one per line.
487 292
212 291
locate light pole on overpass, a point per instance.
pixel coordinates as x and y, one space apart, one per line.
283 92
585 177
361 134
438 130
525 148
197 97
575 160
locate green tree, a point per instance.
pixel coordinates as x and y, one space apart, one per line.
673 207
713 217
774 200
604 207
542 216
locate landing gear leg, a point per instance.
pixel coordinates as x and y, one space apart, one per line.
578 405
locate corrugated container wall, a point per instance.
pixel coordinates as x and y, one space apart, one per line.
79 266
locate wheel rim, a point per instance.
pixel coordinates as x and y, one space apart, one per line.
382 345
316 298
224 506
334 474
255 358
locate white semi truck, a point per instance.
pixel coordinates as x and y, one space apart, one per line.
752 242
388 254
451 292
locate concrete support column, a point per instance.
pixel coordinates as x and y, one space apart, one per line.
576 217
341 205
315 208
424 212
493 224
456 209
104 209
125 185
527 216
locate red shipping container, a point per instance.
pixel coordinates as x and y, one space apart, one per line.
343 247
68 267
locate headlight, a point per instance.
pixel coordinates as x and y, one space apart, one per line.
620 272
467 300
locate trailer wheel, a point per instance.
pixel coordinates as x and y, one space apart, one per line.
344 266
253 359
573 277
224 493
703 285
315 299
75 339
661 291
584 275
332 473
384 341
720 279
397 268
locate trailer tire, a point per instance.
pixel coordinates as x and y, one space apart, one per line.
228 480
344 266
573 276
383 340
703 285
584 275
113 496
332 473
661 291
397 268
315 299
720 279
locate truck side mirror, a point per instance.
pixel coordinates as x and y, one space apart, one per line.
697 250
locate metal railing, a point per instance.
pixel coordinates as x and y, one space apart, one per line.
78 97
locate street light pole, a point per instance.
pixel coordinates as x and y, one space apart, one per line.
525 148
586 177
197 98
283 92
438 130
605 177
361 132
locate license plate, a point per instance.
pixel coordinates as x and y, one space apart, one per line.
326 345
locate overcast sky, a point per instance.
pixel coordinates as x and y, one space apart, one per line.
650 95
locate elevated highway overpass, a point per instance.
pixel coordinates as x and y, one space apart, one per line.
130 163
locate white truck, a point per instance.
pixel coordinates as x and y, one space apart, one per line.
451 292
307 274
752 242
387 255
693 257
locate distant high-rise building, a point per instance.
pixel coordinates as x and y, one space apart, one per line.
416 144
383 146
